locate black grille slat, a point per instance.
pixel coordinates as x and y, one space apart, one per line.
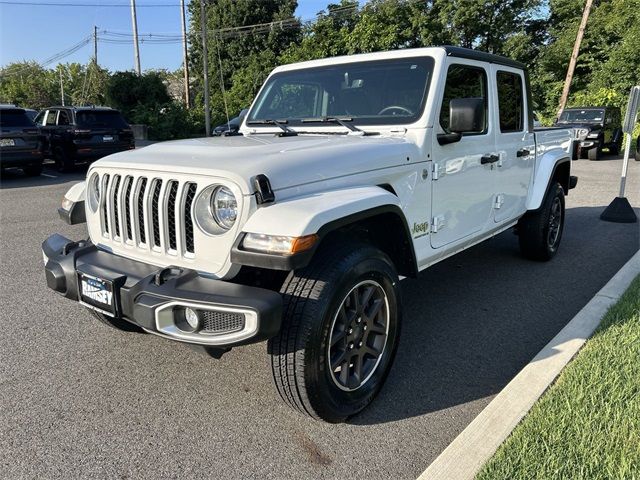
188 219
221 322
105 213
141 197
116 191
155 201
171 214
127 203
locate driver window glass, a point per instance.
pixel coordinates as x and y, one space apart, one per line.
63 118
464 81
51 118
38 120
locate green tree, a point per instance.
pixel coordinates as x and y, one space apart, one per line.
28 85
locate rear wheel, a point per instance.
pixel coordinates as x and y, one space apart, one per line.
540 231
116 323
340 330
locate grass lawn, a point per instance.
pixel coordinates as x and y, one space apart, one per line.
587 425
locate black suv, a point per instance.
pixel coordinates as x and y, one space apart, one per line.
83 134
20 141
232 127
596 128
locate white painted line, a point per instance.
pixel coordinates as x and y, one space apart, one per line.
464 457
47 175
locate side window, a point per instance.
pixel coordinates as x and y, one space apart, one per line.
510 102
39 118
51 118
464 81
63 118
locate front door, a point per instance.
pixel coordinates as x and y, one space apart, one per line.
515 144
462 183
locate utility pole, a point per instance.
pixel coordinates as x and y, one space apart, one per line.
95 44
61 84
574 56
185 59
136 47
205 69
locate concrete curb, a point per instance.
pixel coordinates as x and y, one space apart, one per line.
464 457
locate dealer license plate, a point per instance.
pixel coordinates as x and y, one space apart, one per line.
97 293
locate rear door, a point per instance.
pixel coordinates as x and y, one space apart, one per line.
515 144
462 186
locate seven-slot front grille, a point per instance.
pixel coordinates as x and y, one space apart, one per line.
148 213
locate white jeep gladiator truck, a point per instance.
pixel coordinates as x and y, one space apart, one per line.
347 174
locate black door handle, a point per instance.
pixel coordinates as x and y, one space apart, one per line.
489 159
523 153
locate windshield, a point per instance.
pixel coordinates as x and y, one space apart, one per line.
96 118
14 118
370 93
581 116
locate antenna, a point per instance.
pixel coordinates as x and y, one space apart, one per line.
224 95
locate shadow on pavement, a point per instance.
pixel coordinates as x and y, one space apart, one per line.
473 321
14 178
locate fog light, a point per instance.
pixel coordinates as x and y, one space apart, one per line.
192 318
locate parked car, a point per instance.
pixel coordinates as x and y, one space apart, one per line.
76 135
232 127
351 172
638 148
20 141
596 128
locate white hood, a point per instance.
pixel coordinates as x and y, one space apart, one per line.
287 161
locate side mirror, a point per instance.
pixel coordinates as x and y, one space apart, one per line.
466 115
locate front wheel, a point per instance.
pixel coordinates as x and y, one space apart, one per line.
341 324
540 231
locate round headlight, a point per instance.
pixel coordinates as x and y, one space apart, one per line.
224 207
94 192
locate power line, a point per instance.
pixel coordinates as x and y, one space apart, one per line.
86 5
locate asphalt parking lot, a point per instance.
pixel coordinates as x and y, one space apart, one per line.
80 400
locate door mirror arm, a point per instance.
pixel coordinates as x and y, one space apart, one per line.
447 138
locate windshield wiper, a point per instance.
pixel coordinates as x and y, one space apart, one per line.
340 121
286 131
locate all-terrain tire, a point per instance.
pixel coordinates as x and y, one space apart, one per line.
316 300
116 323
540 231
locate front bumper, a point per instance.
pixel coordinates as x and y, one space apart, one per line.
148 296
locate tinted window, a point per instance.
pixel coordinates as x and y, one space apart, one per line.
63 118
510 102
376 92
14 118
96 119
586 116
463 82
39 118
51 117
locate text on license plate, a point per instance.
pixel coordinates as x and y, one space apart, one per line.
97 290
7 142
107 138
